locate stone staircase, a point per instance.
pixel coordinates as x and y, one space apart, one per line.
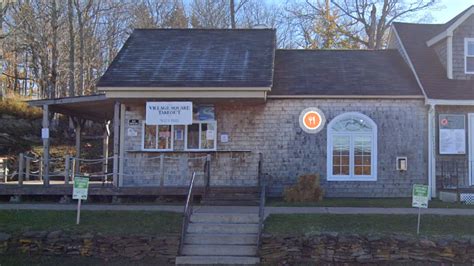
221 235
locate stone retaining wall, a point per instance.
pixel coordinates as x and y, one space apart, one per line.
335 248
163 248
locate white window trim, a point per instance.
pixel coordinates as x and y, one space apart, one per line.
200 129
466 41
158 133
330 144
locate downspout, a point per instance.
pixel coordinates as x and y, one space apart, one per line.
431 151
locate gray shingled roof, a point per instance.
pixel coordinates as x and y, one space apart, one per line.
193 58
342 72
429 69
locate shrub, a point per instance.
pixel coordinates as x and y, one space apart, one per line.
19 108
307 189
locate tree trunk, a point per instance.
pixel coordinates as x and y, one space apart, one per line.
372 28
80 23
71 81
232 14
54 49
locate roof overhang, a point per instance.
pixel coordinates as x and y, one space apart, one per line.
449 102
449 31
185 92
92 107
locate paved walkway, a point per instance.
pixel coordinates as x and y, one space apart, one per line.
241 209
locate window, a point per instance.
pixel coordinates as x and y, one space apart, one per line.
352 148
157 138
201 136
469 55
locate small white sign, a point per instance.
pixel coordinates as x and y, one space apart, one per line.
169 113
224 138
178 134
132 132
80 188
210 134
45 133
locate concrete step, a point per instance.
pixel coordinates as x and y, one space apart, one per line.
220 202
235 218
223 239
232 195
219 260
211 228
219 250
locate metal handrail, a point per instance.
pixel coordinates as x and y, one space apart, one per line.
188 210
207 173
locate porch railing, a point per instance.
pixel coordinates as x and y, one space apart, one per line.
452 173
62 169
188 211
143 169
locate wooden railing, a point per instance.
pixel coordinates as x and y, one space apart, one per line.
188 210
452 173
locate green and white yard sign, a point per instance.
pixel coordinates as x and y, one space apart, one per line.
79 192
420 199
420 196
81 187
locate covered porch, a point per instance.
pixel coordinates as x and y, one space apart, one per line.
125 171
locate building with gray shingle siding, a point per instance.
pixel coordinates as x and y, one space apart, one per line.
370 123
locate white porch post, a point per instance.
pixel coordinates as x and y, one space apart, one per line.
432 151
46 145
116 142
78 129
121 144
105 151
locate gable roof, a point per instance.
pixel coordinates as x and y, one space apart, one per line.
342 73
193 58
445 29
428 68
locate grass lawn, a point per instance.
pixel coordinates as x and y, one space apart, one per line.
364 202
431 225
105 222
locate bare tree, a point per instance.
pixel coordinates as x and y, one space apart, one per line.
158 14
71 83
210 14
319 25
370 19
81 12
234 9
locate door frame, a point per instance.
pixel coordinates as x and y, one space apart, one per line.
470 137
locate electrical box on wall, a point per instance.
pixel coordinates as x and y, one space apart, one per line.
402 163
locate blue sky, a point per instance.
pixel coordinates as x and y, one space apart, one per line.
449 9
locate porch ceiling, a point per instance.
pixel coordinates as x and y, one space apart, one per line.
92 107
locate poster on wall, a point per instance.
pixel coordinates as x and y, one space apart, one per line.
169 113
204 113
452 134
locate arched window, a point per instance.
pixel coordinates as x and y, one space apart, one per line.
352 148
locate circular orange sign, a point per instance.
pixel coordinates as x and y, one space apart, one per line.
312 120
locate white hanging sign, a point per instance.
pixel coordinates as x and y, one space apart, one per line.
452 134
169 113
45 133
